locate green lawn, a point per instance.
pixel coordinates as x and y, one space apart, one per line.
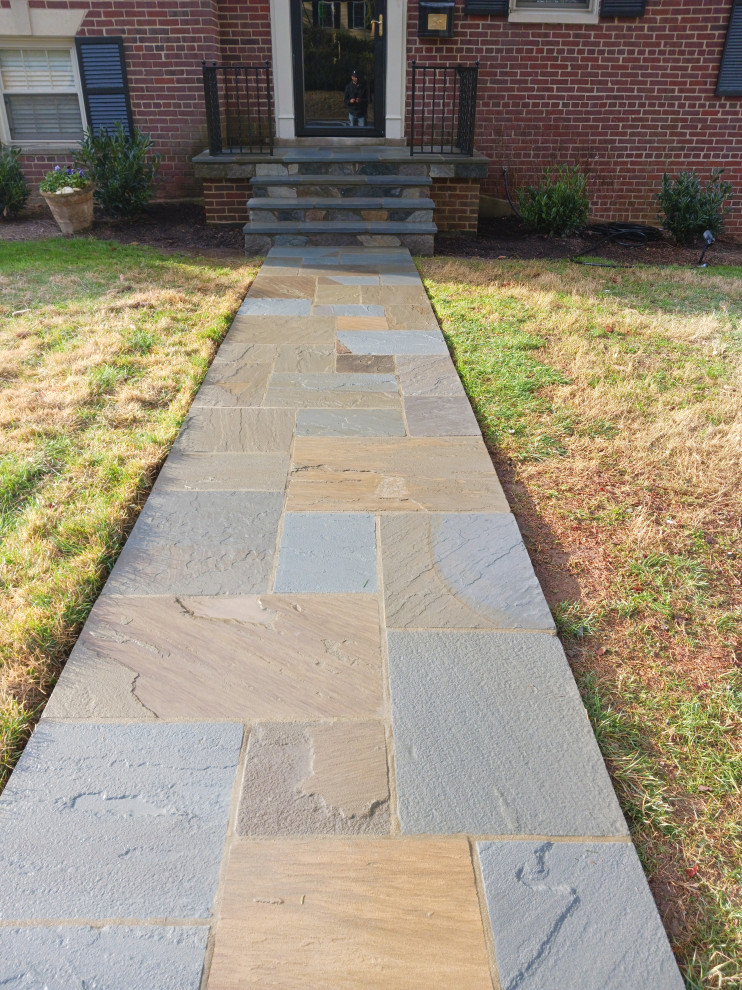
102 347
611 401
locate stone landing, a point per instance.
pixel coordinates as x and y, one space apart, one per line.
318 731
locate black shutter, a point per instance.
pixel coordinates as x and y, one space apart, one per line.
730 73
622 8
104 84
487 6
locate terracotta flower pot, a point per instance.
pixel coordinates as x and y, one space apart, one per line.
73 211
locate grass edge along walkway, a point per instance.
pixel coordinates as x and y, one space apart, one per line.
102 348
610 401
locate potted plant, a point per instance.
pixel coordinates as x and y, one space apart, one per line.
69 195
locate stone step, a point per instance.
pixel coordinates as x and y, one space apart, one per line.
339 227
342 186
336 203
379 180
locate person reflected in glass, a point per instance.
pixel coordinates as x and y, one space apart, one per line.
356 100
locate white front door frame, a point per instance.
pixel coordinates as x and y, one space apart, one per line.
396 68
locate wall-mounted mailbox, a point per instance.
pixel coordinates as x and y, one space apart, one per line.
436 19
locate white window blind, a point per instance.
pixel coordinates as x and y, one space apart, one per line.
40 92
553 4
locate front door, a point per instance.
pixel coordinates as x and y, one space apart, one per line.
330 40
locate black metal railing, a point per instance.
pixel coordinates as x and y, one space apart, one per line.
444 109
239 108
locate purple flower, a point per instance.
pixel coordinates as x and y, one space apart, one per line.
57 168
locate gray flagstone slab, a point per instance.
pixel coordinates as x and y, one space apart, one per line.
459 570
327 552
218 430
491 738
349 423
574 914
223 472
117 821
440 416
275 307
199 543
115 957
393 341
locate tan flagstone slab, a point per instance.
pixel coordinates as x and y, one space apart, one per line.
233 657
323 391
364 363
331 292
381 914
269 286
233 393
409 317
284 329
390 474
307 360
362 323
394 295
224 472
222 430
326 778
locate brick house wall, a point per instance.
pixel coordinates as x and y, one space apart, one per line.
164 44
628 99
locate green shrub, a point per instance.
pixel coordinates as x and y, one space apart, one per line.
559 204
14 190
119 165
687 208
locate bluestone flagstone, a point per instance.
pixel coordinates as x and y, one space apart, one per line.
327 778
459 570
305 360
223 472
274 307
117 821
574 914
327 552
393 342
114 957
349 423
347 309
192 543
232 431
225 657
433 377
491 738
442 416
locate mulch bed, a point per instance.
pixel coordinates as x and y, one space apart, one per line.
181 227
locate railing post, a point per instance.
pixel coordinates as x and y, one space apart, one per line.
412 114
213 117
271 128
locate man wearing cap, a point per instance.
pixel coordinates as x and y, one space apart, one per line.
356 100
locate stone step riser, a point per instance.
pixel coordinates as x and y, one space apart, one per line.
340 192
261 243
346 215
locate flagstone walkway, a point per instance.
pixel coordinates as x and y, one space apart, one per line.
318 731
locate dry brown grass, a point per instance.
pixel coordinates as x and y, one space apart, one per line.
612 401
101 350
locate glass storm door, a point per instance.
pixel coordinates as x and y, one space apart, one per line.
331 39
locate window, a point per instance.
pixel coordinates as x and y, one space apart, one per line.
41 94
555 11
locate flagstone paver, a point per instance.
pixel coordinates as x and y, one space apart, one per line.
327 552
350 913
574 914
199 542
491 738
117 821
317 730
117 958
246 657
322 779
459 570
